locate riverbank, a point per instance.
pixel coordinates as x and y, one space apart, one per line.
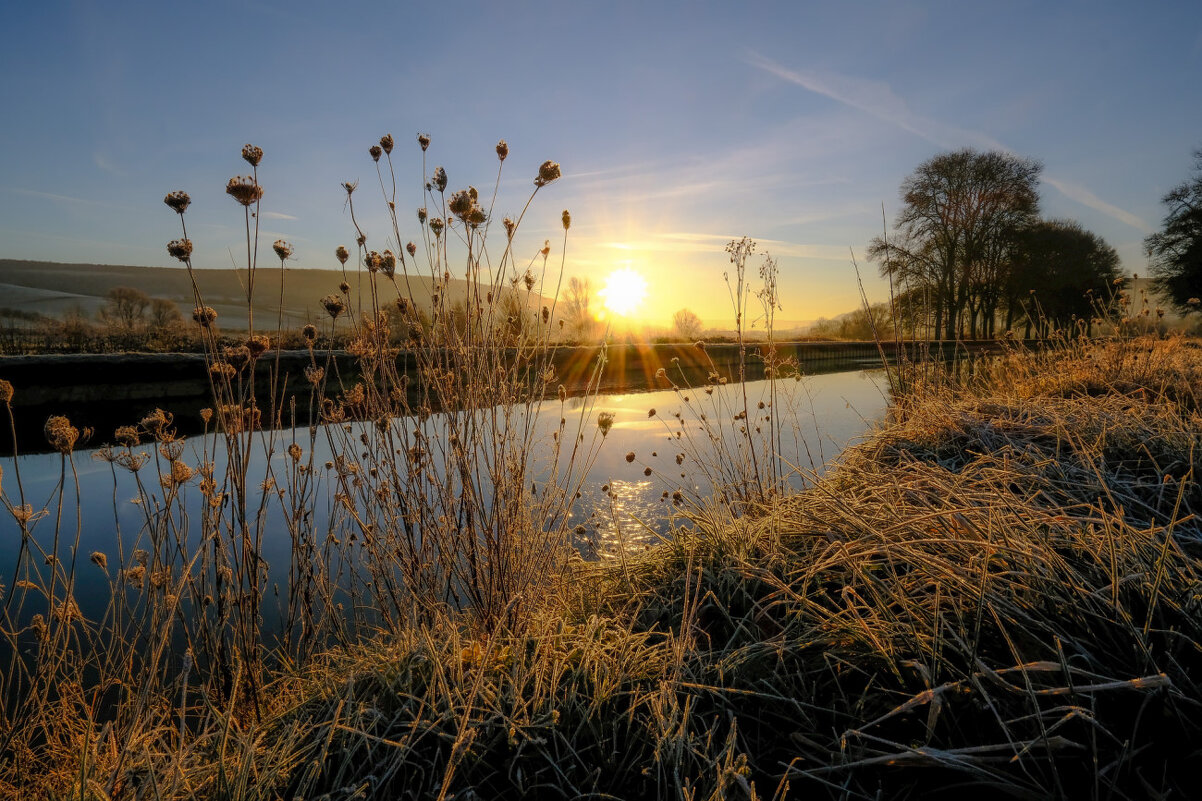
105 391
998 590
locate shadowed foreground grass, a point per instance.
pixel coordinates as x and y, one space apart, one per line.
997 593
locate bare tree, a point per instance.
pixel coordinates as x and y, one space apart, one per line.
1176 249
163 314
688 324
579 320
125 307
956 231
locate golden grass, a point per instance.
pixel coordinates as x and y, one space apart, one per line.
997 592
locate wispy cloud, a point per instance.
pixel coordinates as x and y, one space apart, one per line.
689 242
275 215
879 100
1086 198
54 197
105 163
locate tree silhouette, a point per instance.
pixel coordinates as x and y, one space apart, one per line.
581 324
955 235
1176 250
124 307
687 324
1061 272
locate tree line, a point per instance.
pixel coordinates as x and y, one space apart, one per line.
969 251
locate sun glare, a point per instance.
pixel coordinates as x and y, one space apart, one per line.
623 292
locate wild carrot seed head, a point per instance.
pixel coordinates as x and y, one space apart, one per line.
334 305
180 249
178 201
549 171
258 345
205 315
61 435
244 189
252 154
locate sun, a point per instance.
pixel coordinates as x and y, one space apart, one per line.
623 292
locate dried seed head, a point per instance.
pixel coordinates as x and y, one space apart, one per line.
412 248
502 149
388 263
630 456
61 435
99 559
282 249
314 374
547 172
342 254
178 201
295 452
350 187
180 472
461 203
421 215
344 287
180 249
424 141
440 179
375 151
127 436
309 332
222 371
6 391
372 261
157 422
510 227
238 356
244 189
258 345
436 226
333 305
605 421
252 154
205 315
567 219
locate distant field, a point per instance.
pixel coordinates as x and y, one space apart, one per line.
56 289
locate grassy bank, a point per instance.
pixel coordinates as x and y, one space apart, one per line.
998 590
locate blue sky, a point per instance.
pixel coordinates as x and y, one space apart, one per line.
679 126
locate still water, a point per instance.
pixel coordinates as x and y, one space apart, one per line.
622 506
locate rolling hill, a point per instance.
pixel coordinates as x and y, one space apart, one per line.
56 289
